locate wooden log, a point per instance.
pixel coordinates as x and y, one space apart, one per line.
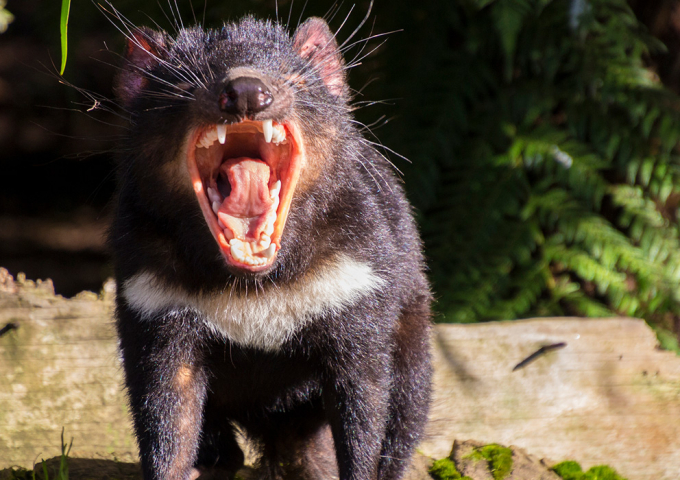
59 368
609 396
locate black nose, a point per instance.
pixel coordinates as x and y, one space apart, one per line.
245 96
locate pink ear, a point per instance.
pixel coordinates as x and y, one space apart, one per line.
315 42
142 52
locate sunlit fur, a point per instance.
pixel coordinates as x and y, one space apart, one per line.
263 319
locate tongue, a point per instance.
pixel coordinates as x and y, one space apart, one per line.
244 211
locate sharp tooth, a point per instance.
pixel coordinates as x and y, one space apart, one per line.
213 195
228 234
219 222
236 253
274 192
265 241
216 207
278 135
269 252
267 130
209 137
222 133
269 229
237 249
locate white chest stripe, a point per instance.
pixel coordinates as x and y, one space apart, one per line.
266 318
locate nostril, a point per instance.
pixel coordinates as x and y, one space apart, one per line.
264 99
245 96
228 100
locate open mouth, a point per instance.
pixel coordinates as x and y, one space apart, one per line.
244 175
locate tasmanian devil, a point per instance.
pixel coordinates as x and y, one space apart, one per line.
269 271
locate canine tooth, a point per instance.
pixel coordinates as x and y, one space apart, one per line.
274 192
269 252
221 133
219 222
265 241
237 249
216 207
237 254
213 195
227 233
267 130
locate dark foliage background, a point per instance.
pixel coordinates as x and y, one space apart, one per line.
542 139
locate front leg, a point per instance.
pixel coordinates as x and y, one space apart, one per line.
166 387
356 402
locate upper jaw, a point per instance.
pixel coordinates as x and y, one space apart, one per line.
244 176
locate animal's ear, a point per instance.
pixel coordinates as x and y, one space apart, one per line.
315 42
142 53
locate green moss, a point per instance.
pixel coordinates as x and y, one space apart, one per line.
445 469
499 458
602 472
570 470
667 339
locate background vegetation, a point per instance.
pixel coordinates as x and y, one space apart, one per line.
545 161
543 144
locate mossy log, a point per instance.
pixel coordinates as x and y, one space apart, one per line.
607 396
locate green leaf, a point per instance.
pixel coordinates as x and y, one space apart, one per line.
546 162
508 18
63 27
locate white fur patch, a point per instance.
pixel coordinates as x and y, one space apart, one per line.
268 317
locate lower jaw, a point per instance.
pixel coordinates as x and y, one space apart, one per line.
235 263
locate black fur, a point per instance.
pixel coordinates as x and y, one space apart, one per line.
348 394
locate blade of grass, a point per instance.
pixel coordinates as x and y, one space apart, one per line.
63 462
63 27
44 469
